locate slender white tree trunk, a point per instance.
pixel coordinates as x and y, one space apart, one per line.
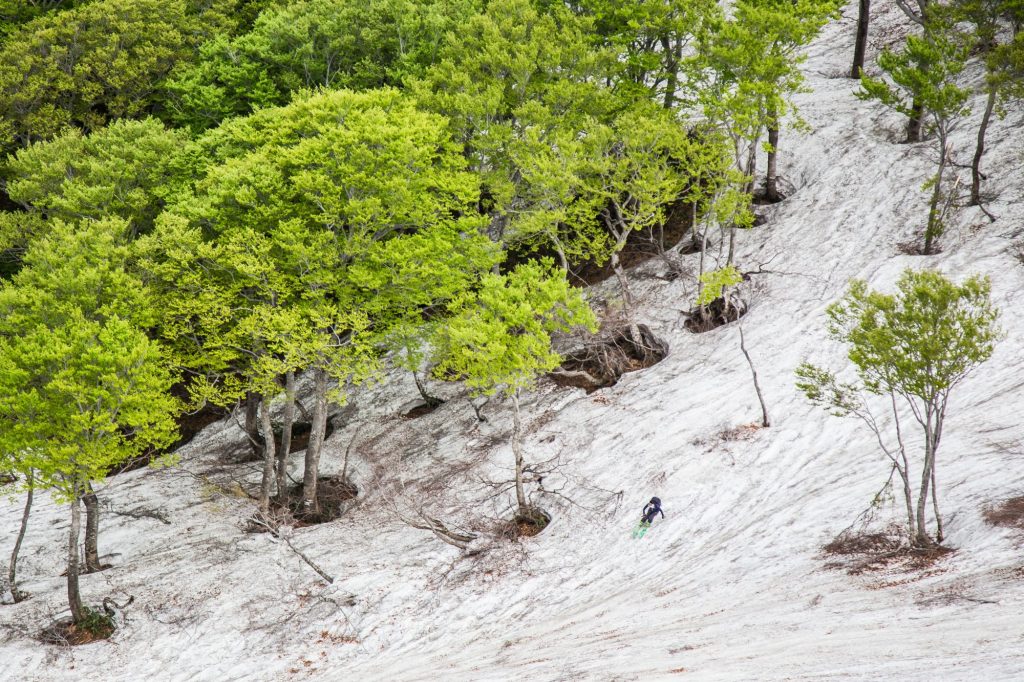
318 430
267 427
74 594
517 449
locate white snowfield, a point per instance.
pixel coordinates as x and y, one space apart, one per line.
731 585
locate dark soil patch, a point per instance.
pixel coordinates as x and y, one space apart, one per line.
602 362
916 248
1009 513
332 494
65 633
714 315
422 409
864 553
526 524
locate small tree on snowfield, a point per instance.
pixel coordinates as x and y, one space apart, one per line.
499 340
914 348
924 75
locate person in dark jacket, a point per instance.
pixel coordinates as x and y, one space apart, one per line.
652 509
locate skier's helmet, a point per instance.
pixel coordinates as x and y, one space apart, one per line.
656 501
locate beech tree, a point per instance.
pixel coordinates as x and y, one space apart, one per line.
749 70
310 44
1004 64
499 340
82 388
125 170
88 65
651 39
913 349
925 74
292 220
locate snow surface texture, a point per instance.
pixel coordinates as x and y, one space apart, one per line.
730 586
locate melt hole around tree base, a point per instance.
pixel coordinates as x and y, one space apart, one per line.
527 523
332 494
63 632
602 362
715 314
422 408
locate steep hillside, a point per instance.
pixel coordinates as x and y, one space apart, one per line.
732 585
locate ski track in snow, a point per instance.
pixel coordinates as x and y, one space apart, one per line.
730 586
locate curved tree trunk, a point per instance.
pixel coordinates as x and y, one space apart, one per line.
74 594
286 439
310 505
517 449
990 104
12 571
860 46
92 530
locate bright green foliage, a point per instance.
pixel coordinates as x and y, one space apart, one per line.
749 67
509 69
81 386
85 66
14 13
650 39
313 43
925 74
499 338
922 341
914 347
587 193
124 170
715 283
927 69
322 225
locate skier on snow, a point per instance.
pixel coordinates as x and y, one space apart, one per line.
652 509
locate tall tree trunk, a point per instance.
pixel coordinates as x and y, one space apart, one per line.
908 498
939 533
268 454
771 182
860 46
914 124
286 439
990 104
923 540
252 425
92 530
517 449
310 505
935 227
12 571
627 298
74 594
671 57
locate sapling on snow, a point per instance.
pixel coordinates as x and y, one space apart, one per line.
499 339
912 349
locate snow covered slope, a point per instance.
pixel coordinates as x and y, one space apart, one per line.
730 586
